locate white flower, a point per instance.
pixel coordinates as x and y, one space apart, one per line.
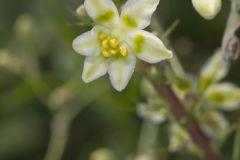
154 111
213 71
214 124
224 95
207 8
102 154
179 137
114 43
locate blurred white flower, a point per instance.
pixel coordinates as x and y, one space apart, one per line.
179 137
114 43
207 8
102 154
10 61
24 24
225 95
214 124
214 70
154 110
143 157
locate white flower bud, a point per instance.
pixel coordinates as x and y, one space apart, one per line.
208 9
81 11
102 154
24 24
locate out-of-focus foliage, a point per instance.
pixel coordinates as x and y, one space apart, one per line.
40 77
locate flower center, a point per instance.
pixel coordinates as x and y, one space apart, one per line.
111 46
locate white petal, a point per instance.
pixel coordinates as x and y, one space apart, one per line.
94 67
102 11
87 43
120 71
136 14
214 70
154 110
179 137
224 95
148 47
214 124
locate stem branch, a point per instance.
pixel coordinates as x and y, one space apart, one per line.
194 129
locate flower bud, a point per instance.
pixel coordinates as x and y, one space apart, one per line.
81 11
24 25
208 9
102 154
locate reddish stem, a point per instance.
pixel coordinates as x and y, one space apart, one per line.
194 129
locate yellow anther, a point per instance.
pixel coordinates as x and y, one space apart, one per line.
105 43
103 36
113 43
123 50
113 51
106 53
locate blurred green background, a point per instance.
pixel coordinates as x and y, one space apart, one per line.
40 80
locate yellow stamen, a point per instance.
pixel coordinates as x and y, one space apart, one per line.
105 43
105 54
123 50
110 46
113 43
113 51
103 36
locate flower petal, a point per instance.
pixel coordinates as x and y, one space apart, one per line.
224 95
94 67
179 137
148 47
214 124
102 11
136 14
214 70
155 111
121 70
87 43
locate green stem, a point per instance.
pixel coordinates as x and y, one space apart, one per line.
231 28
170 30
229 132
147 139
60 127
236 148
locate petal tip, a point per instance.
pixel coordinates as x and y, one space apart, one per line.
74 45
119 87
85 79
170 54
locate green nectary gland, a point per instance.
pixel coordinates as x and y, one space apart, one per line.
105 17
138 43
205 82
217 97
129 22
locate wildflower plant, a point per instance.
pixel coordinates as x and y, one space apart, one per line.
112 47
114 43
175 109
